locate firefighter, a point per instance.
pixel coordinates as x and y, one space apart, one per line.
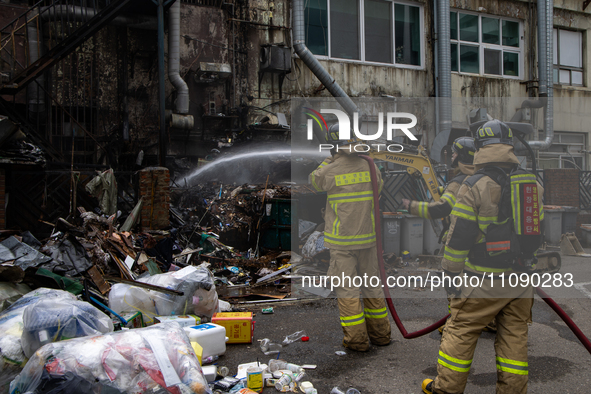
350 234
472 308
462 159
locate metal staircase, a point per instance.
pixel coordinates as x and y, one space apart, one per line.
70 24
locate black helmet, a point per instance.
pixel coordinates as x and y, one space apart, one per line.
333 136
493 132
464 148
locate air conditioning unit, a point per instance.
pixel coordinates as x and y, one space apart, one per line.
275 59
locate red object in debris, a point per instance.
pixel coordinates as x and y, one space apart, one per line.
305 339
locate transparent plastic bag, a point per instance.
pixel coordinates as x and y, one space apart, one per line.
51 320
199 298
12 357
156 360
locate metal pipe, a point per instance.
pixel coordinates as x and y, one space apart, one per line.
83 14
174 56
161 88
35 97
443 67
313 64
545 74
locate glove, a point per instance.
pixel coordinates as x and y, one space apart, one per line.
451 290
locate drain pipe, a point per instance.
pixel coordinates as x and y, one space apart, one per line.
443 66
35 97
174 55
545 75
313 64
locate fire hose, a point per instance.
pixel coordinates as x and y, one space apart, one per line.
377 216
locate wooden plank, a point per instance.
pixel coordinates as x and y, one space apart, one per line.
98 280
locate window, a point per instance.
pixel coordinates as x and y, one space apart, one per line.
566 151
568 57
376 31
485 45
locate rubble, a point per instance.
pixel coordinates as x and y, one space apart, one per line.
216 249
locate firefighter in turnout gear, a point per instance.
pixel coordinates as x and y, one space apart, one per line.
462 159
478 212
350 234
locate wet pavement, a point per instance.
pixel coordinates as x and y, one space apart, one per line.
558 363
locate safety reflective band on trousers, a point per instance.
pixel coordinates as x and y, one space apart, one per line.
376 313
454 364
352 320
512 366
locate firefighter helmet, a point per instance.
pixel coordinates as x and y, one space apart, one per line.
493 132
464 148
333 136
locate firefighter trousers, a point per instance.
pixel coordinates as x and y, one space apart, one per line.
470 313
362 320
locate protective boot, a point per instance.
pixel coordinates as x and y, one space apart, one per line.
427 386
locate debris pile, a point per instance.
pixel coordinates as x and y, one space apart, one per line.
129 298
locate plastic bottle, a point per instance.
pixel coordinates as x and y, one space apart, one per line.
268 347
275 365
285 380
296 336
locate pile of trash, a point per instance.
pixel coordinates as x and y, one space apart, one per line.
148 306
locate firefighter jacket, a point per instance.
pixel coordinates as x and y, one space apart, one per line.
442 208
477 208
349 222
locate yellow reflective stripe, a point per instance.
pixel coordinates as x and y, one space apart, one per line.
332 241
516 205
363 193
376 313
335 228
541 213
454 364
485 221
464 211
422 209
524 178
313 177
486 269
457 256
351 199
352 320
512 366
449 198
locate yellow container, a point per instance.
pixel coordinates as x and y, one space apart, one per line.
254 379
239 325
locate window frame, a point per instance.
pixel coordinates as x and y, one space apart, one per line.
570 69
570 153
496 47
361 37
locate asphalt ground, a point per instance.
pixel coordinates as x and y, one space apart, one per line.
558 363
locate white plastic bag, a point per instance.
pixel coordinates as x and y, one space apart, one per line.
155 360
12 358
199 298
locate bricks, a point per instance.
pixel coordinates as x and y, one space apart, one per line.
561 187
155 208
